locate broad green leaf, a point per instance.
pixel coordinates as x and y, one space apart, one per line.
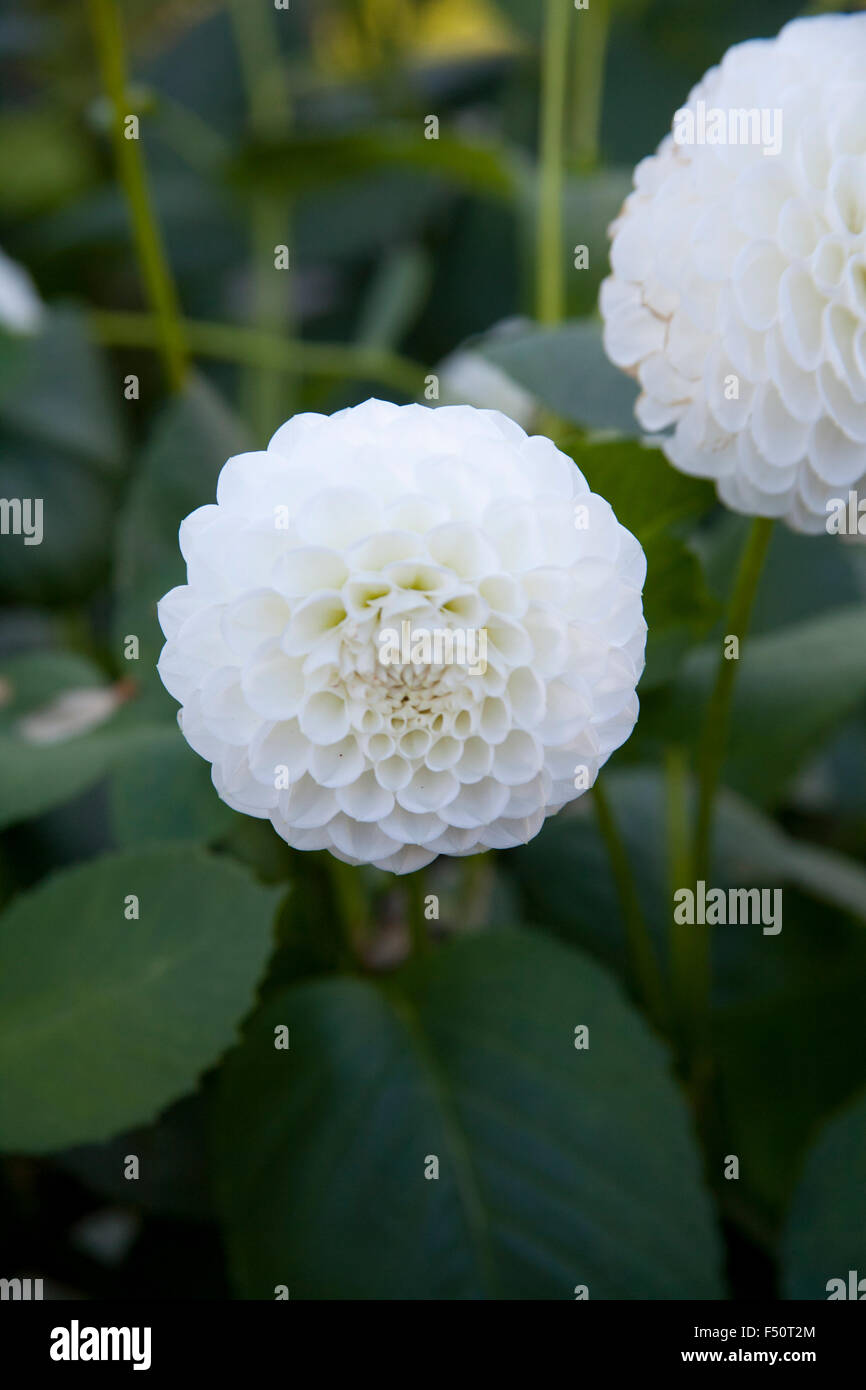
77 513
63 398
794 688
566 368
556 1166
792 1052
104 1020
566 879
42 763
825 1237
191 442
161 791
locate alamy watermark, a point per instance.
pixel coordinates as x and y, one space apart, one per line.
717 125
438 646
22 516
710 907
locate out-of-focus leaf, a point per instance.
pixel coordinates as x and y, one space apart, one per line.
568 370
308 161
62 396
173 1174
45 161
794 688
826 1231
75 505
545 1177
104 1020
649 498
178 472
161 791
567 882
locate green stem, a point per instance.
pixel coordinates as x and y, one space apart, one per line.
711 756
264 391
550 248
476 886
351 900
685 941
108 35
647 975
711 749
592 30
231 343
415 919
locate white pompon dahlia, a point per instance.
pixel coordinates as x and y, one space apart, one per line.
738 292
405 632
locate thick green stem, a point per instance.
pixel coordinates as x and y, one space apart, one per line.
685 948
592 29
711 754
105 21
711 750
351 900
231 343
550 247
264 391
648 978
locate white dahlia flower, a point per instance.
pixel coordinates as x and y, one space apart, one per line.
303 648
738 293
21 308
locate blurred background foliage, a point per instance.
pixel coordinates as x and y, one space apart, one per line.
261 127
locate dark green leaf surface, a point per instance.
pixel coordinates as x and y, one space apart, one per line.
557 1167
104 1021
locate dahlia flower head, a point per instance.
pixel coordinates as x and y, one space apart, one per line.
382 522
738 288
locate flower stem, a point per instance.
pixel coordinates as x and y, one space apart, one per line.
711 756
232 343
351 902
550 248
415 919
684 958
264 392
711 749
648 978
591 33
108 35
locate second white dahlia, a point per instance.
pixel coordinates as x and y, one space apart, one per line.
738 293
405 632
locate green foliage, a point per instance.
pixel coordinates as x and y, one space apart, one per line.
552 1173
190 443
104 1019
824 1236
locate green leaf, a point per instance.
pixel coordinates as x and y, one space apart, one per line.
62 396
73 555
567 369
788 1056
566 880
191 442
103 1021
825 1237
161 791
557 1167
308 161
650 498
794 688
646 492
